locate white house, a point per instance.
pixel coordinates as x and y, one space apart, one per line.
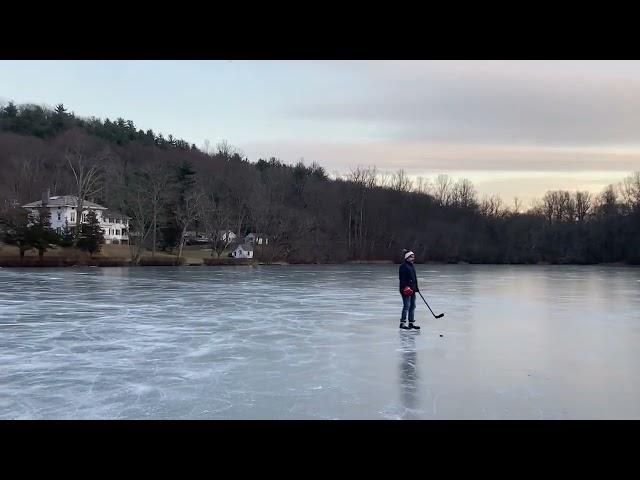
256 239
242 251
194 237
63 211
227 235
115 226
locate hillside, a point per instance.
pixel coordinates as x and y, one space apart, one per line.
310 217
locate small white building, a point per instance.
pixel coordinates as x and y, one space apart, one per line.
256 239
242 251
63 211
227 236
115 226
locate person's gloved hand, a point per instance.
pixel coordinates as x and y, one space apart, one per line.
407 292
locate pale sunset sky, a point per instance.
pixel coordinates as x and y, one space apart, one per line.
514 128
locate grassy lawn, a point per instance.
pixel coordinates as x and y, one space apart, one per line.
192 254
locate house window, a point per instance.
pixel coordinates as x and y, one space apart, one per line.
118 232
59 217
58 229
73 216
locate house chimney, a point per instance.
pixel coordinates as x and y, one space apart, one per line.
45 197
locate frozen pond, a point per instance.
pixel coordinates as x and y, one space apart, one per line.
319 342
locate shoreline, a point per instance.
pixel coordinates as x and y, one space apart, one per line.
53 262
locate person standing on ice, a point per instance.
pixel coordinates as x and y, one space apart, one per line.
408 289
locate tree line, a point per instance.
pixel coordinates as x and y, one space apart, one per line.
169 188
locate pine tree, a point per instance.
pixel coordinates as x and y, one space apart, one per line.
10 110
91 235
59 116
66 238
60 110
40 235
16 230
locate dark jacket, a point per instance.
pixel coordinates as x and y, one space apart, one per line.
408 277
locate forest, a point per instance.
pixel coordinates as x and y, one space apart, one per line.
169 187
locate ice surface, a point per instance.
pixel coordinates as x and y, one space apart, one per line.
319 342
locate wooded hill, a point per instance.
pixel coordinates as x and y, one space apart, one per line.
168 186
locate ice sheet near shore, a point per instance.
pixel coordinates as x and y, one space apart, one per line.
319 342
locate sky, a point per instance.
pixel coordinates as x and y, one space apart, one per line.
514 128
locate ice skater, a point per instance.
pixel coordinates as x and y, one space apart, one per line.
408 289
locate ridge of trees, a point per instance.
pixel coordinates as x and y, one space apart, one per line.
168 188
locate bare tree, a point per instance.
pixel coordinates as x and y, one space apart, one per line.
224 149
491 206
401 182
464 194
583 205
383 179
158 177
630 190
216 222
517 205
559 206
281 226
422 186
607 202
443 190
88 175
25 177
362 181
138 203
186 213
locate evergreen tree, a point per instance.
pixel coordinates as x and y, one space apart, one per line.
59 117
91 235
40 235
60 111
66 238
15 224
10 111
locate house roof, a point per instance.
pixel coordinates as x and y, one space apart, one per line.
245 247
113 213
64 201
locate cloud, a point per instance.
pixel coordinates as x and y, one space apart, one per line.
427 157
548 103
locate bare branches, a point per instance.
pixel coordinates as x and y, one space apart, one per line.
443 190
491 206
158 177
583 202
400 182
88 173
138 204
186 213
216 221
630 190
